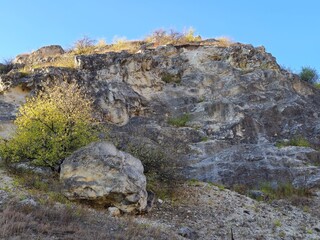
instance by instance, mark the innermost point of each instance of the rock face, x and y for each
(102, 175)
(9, 104)
(219, 109)
(246, 163)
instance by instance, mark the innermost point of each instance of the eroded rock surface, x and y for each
(236, 100)
(102, 175)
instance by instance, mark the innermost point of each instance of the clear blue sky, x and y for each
(288, 29)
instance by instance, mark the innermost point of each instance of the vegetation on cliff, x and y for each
(309, 75)
(50, 126)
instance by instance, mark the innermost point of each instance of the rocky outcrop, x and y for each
(9, 104)
(102, 175)
(244, 164)
(236, 103)
(44, 54)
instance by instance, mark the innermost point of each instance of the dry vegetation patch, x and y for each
(70, 222)
(88, 46)
(37, 210)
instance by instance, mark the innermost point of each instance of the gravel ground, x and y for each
(212, 213)
(203, 211)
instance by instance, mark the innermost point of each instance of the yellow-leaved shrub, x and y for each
(50, 126)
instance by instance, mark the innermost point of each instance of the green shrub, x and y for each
(170, 78)
(277, 223)
(282, 190)
(297, 141)
(309, 75)
(282, 234)
(205, 139)
(309, 231)
(179, 121)
(317, 85)
(50, 126)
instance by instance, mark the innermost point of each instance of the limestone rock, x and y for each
(49, 51)
(188, 233)
(252, 164)
(114, 212)
(256, 194)
(21, 58)
(28, 202)
(7, 111)
(103, 175)
(237, 99)
(44, 54)
(3, 197)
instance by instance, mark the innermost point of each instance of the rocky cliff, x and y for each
(219, 110)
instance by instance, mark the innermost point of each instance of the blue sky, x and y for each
(288, 29)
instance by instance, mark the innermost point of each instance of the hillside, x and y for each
(226, 114)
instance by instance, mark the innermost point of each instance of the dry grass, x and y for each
(101, 43)
(87, 46)
(223, 41)
(54, 217)
(44, 188)
(163, 37)
(65, 61)
(84, 46)
(121, 44)
(70, 222)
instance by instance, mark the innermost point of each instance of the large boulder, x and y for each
(49, 51)
(105, 176)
